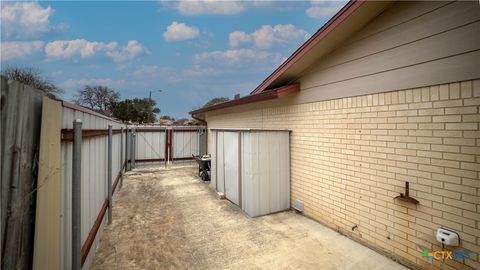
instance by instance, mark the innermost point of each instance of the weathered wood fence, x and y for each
(21, 110)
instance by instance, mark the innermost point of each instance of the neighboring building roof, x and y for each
(351, 18)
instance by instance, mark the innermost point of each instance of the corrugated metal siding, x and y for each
(94, 177)
(150, 144)
(186, 141)
(231, 166)
(213, 164)
(220, 163)
(265, 172)
(252, 168)
(185, 144)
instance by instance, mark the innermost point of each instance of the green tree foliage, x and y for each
(98, 98)
(33, 78)
(137, 110)
(167, 117)
(216, 100)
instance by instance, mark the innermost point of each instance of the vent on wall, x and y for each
(298, 205)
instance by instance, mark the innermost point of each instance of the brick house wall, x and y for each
(351, 156)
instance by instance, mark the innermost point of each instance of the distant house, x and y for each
(165, 122)
(384, 93)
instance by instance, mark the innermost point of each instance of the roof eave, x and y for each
(267, 95)
(346, 11)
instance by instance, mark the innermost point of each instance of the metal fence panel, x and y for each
(94, 177)
(185, 143)
(150, 145)
(153, 143)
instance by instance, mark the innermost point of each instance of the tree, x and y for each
(135, 110)
(98, 98)
(33, 78)
(167, 117)
(216, 100)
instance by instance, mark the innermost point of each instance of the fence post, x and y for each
(134, 142)
(109, 174)
(172, 154)
(76, 196)
(166, 147)
(127, 149)
(121, 158)
(199, 149)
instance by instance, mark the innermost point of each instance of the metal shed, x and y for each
(252, 169)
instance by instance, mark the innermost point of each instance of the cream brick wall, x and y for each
(350, 157)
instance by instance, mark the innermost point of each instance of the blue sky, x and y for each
(193, 51)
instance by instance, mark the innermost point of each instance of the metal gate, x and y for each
(168, 143)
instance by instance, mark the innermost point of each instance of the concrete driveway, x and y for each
(168, 219)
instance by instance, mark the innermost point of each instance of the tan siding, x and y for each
(460, 67)
(438, 21)
(432, 45)
(399, 14)
(350, 157)
(406, 55)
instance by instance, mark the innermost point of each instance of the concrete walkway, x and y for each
(168, 219)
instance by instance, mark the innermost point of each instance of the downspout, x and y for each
(198, 119)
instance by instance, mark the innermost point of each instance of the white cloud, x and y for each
(73, 84)
(152, 70)
(268, 36)
(19, 49)
(177, 75)
(237, 56)
(324, 9)
(180, 31)
(129, 52)
(225, 7)
(57, 73)
(65, 49)
(237, 38)
(209, 7)
(26, 19)
(68, 49)
(200, 71)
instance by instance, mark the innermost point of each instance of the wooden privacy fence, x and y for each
(21, 109)
(61, 163)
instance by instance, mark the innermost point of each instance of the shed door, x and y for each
(213, 170)
(265, 173)
(231, 165)
(220, 164)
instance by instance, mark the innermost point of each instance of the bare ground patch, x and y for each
(168, 219)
